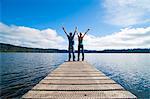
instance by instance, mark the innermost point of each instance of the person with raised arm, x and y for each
(70, 37)
(80, 44)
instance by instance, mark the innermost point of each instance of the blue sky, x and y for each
(104, 17)
(43, 14)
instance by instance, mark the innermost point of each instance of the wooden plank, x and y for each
(91, 78)
(76, 72)
(70, 72)
(77, 80)
(102, 87)
(77, 75)
(79, 95)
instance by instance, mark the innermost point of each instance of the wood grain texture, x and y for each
(77, 80)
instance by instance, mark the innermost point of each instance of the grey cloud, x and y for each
(48, 38)
(30, 37)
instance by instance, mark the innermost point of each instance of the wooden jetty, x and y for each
(77, 80)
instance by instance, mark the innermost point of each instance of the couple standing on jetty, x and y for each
(71, 43)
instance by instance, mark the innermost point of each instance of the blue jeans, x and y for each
(80, 48)
(71, 50)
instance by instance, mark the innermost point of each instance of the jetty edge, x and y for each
(77, 80)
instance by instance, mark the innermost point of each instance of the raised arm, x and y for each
(64, 31)
(86, 32)
(75, 31)
(78, 34)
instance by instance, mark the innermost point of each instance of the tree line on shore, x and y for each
(12, 48)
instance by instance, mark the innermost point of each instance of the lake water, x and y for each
(19, 72)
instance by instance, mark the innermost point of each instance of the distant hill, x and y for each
(13, 48)
(139, 50)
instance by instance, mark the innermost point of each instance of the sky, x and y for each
(114, 24)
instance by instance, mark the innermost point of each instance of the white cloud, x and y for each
(127, 12)
(30, 37)
(126, 38)
(48, 38)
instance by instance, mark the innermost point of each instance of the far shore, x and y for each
(7, 48)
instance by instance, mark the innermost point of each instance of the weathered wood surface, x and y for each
(77, 80)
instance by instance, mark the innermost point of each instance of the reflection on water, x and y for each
(132, 71)
(19, 72)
